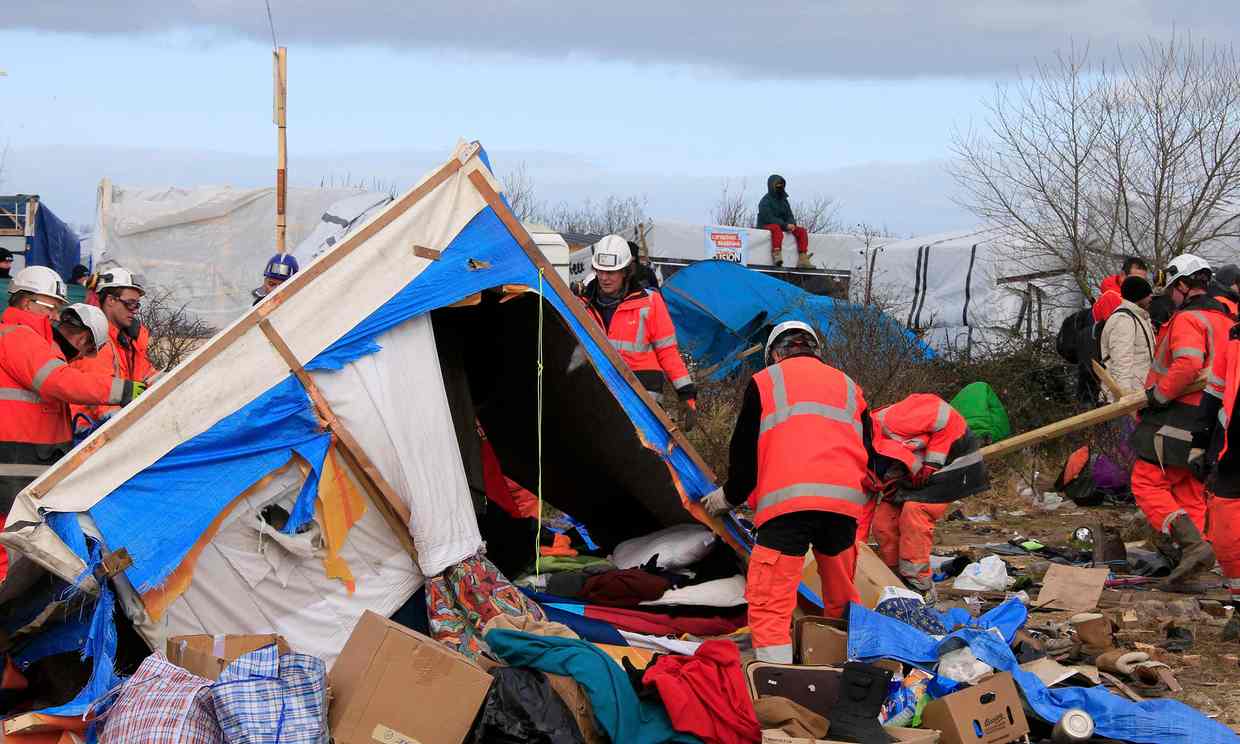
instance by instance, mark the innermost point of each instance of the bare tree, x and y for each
(608, 216)
(1082, 164)
(175, 332)
(733, 207)
(818, 214)
(873, 238)
(519, 190)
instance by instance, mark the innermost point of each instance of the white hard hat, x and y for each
(92, 318)
(39, 280)
(611, 254)
(786, 327)
(118, 278)
(1184, 265)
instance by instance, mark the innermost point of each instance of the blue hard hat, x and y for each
(280, 267)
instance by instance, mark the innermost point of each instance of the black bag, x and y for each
(1068, 340)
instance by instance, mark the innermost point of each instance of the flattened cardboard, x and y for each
(872, 576)
(1072, 588)
(1052, 672)
(906, 735)
(207, 655)
(393, 682)
(991, 707)
(820, 641)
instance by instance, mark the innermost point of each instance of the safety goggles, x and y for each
(132, 306)
(48, 305)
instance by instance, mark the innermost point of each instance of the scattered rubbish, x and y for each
(1095, 631)
(961, 665)
(207, 656)
(1049, 501)
(987, 575)
(980, 518)
(1053, 673)
(1231, 631)
(994, 706)
(1072, 588)
(955, 516)
(1179, 639)
(820, 641)
(1074, 727)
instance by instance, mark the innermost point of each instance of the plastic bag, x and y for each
(899, 592)
(987, 575)
(962, 665)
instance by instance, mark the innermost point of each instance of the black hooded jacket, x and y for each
(774, 208)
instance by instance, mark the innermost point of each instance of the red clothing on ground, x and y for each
(706, 694)
(654, 623)
(1163, 497)
(777, 238)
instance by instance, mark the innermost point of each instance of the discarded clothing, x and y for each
(638, 621)
(554, 563)
(729, 592)
(791, 717)
(264, 697)
(527, 624)
(578, 704)
(674, 547)
(913, 612)
(462, 599)
(706, 694)
(623, 717)
(521, 707)
(624, 588)
(161, 704)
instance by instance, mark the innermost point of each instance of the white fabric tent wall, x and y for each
(207, 244)
(683, 240)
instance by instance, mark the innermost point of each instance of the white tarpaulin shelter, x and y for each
(209, 244)
(331, 400)
(750, 246)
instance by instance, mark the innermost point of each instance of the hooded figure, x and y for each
(775, 215)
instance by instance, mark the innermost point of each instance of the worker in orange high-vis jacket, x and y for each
(36, 383)
(637, 323)
(934, 461)
(800, 454)
(1223, 484)
(1173, 431)
(120, 299)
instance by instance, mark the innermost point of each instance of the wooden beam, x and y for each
(135, 410)
(280, 60)
(381, 492)
(1122, 407)
(1107, 380)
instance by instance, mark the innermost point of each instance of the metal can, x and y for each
(1074, 727)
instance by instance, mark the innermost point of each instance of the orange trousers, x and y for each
(905, 534)
(1163, 496)
(771, 591)
(1223, 531)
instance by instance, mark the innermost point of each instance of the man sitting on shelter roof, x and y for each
(775, 214)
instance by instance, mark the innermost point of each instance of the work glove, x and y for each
(1151, 401)
(716, 503)
(132, 390)
(689, 423)
(923, 476)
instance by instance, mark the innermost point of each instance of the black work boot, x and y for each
(1196, 555)
(863, 688)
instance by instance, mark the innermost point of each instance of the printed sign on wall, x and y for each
(727, 243)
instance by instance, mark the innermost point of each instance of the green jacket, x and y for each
(774, 208)
(983, 411)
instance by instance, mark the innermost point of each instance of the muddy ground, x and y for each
(1209, 672)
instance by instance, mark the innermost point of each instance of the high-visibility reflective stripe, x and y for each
(50, 366)
(1158, 396)
(908, 568)
(1166, 525)
(1175, 432)
(815, 490)
(20, 394)
(666, 341)
(783, 411)
(6, 330)
(1194, 353)
(682, 382)
(636, 348)
(936, 458)
(117, 392)
(1157, 367)
(916, 442)
(940, 420)
(964, 461)
(22, 471)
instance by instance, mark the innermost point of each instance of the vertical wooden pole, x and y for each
(280, 60)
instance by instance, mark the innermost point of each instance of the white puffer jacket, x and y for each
(1128, 346)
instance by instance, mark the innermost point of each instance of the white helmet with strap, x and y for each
(1183, 266)
(118, 278)
(39, 280)
(788, 326)
(611, 254)
(89, 317)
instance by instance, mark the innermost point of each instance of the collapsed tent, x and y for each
(208, 244)
(724, 311)
(305, 464)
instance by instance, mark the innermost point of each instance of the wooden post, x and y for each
(280, 62)
(1107, 380)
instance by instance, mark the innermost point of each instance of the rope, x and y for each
(539, 428)
(271, 24)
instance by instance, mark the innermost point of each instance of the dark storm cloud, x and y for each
(755, 38)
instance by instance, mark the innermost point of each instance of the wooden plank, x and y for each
(381, 492)
(297, 283)
(281, 102)
(1107, 380)
(1122, 407)
(429, 254)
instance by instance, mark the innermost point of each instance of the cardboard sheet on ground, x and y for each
(1072, 588)
(1052, 672)
(872, 576)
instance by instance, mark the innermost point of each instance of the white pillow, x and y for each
(728, 592)
(676, 547)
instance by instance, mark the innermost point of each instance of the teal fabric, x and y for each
(984, 412)
(622, 715)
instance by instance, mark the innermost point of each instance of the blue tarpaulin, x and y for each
(721, 309)
(54, 244)
(872, 636)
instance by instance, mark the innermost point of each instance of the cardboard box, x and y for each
(989, 712)
(872, 576)
(207, 655)
(820, 641)
(392, 684)
(907, 735)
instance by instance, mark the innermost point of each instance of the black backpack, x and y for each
(1076, 328)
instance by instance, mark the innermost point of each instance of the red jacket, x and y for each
(1111, 284)
(927, 427)
(811, 443)
(642, 331)
(128, 361)
(1188, 345)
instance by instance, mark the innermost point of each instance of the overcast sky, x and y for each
(856, 99)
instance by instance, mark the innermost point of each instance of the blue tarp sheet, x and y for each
(161, 512)
(873, 636)
(721, 308)
(54, 244)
